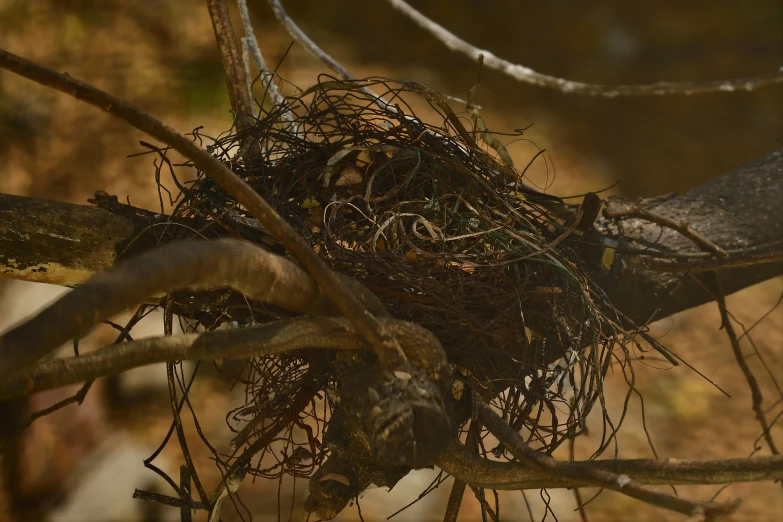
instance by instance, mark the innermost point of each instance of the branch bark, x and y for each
(738, 212)
(61, 243)
(386, 347)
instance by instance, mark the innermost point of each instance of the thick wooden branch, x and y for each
(57, 243)
(226, 263)
(61, 243)
(739, 212)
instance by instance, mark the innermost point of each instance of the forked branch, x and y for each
(386, 347)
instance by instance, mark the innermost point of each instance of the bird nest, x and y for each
(435, 220)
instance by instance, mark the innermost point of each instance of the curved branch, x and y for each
(276, 337)
(529, 76)
(247, 268)
(386, 347)
(458, 461)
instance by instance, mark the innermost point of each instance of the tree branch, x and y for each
(226, 263)
(236, 82)
(620, 482)
(386, 347)
(529, 76)
(57, 243)
(738, 212)
(275, 337)
(464, 465)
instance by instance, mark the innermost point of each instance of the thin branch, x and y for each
(311, 47)
(386, 347)
(708, 265)
(267, 77)
(633, 211)
(619, 482)
(755, 391)
(276, 337)
(243, 266)
(529, 76)
(463, 464)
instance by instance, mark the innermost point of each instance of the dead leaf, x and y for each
(349, 176)
(364, 158)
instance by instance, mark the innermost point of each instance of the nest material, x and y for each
(442, 231)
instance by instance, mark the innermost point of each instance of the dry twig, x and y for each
(529, 76)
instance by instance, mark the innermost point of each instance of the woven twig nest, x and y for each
(443, 232)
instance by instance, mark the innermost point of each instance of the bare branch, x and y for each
(738, 213)
(619, 482)
(311, 47)
(271, 338)
(755, 391)
(236, 82)
(529, 76)
(386, 347)
(245, 267)
(464, 465)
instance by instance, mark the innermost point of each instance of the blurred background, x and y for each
(83, 463)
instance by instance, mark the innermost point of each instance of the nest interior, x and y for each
(435, 221)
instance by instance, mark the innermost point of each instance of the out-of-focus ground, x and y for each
(161, 56)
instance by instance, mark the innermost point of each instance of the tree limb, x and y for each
(738, 212)
(57, 243)
(226, 263)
